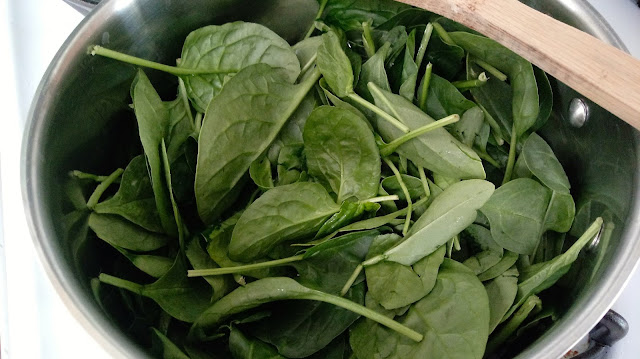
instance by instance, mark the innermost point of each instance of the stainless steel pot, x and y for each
(80, 99)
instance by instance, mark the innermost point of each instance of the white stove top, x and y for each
(38, 325)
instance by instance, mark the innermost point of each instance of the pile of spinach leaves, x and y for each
(376, 190)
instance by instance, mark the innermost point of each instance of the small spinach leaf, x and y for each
(119, 232)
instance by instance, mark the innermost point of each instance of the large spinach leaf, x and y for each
(342, 153)
(225, 50)
(241, 122)
(282, 214)
(119, 232)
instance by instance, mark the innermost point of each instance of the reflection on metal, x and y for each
(578, 113)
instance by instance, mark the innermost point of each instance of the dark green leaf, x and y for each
(334, 65)
(543, 163)
(350, 14)
(119, 232)
(413, 184)
(166, 348)
(243, 347)
(444, 99)
(199, 259)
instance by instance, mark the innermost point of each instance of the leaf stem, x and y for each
(185, 100)
(493, 124)
(102, 187)
(428, 31)
(485, 156)
(423, 179)
(367, 39)
(444, 35)
(392, 120)
(424, 89)
(391, 147)
(323, 4)
(351, 279)
(198, 121)
(177, 71)
(244, 268)
(375, 260)
(381, 199)
(308, 65)
(403, 186)
(368, 313)
(90, 176)
(121, 283)
(492, 70)
(469, 84)
(512, 156)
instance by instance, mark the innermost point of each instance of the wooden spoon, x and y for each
(601, 72)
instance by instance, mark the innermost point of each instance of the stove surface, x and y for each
(38, 325)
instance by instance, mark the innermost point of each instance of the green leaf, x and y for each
(470, 125)
(342, 153)
(414, 186)
(281, 215)
(155, 266)
(394, 285)
(350, 14)
(444, 99)
(446, 58)
(543, 163)
(275, 289)
(458, 304)
(507, 261)
(199, 259)
(260, 172)
(180, 125)
(374, 71)
(153, 126)
(545, 93)
(483, 261)
(183, 298)
(166, 348)
(525, 103)
(502, 292)
(436, 150)
(134, 200)
(409, 77)
(243, 347)
(334, 65)
(240, 124)
(541, 276)
(516, 212)
(450, 213)
(119, 232)
(349, 211)
(227, 49)
(320, 322)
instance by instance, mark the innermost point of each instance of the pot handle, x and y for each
(83, 6)
(611, 328)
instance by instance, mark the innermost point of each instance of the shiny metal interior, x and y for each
(74, 124)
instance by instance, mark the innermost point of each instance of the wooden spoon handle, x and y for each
(601, 72)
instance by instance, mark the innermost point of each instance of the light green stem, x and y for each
(244, 268)
(89, 176)
(485, 156)
(493, 124)
(308, 65)
(102, 187)
(403, 186)
(392, 120)
(423, 179)
(428, 31)
(177, 71)
(323, 4)
(492, 70)
(198, 121)
(469, 84)
(351, 280)
(381, 199)
(444, 35)
(367, 39)
(373, 261)
(366, 312)
(391, 147)
(121, 283)
(512, 156)
(424, 91)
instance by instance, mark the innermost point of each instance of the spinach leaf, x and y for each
(181, 124)
(457, 296)
(470, 125)
(516, 212)
(451, 212)
(350, 14)
(121, 233)
(543, 163)
(394, 285)
(155, 266)
(134, 200)
(483, 261)
(410, 69)
(342, 153)
(349, 211)
(243, 347)
(260, 172)
(282, 214)
(445, 57)
(374, 71)
(183, 298)
(444, 99)
(281, 288)
(414, 186)
(166, 348)
(199, 259)
(237, 129)
(153, 124)
(507, 261)
(436, 150)
(225, 50)
(502, 292)
(525, 105)
(541, 276)
(320, 322)
(334, 65)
